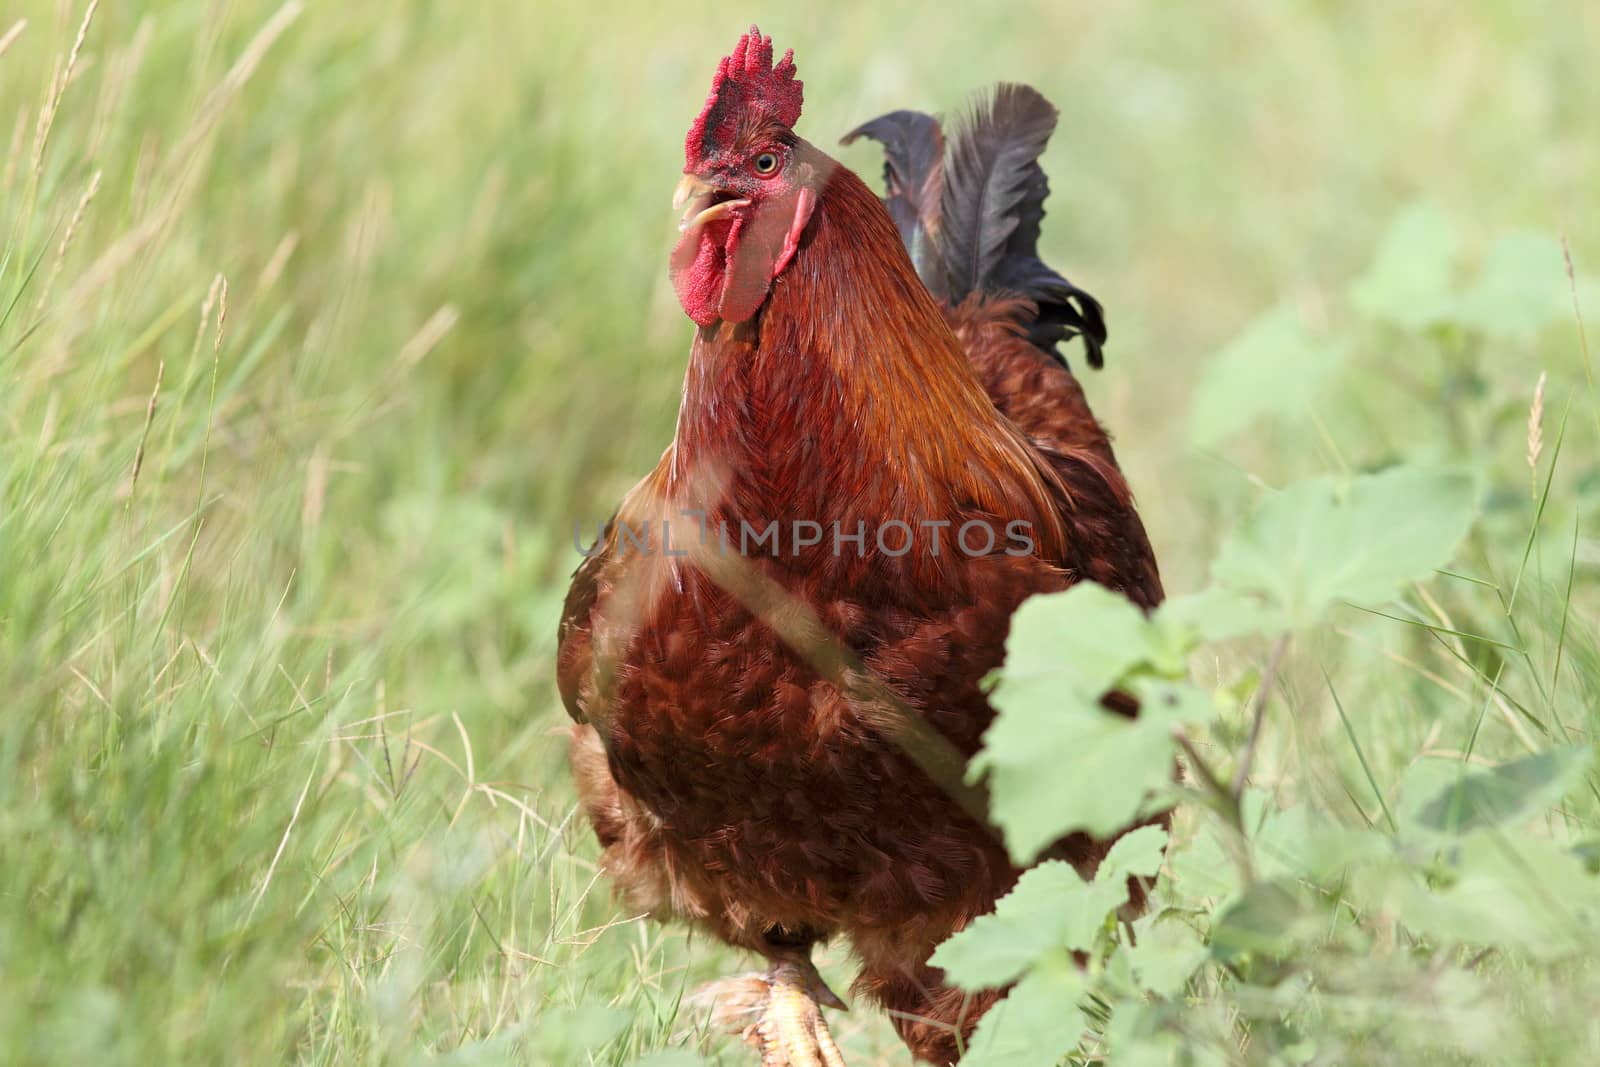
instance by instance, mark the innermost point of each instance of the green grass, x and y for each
(378, 295)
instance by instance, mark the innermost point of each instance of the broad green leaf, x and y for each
(1141, 1034)
(1300, 842)
(1410, 281)
(1204, 868)
(1293, 1043)
(1057, 763)
(1273, 368)
(1036, 1024)
(1322, 541)
(1138, 852)
(1165, 953)
(1523, 893)
(1157, 1050)
(1055, 759)
(1217, 614)
(1507, 794)
(1050, 908)
(1085, 637)
(1087, 911)
(1114, 975)
(1422, 781)
(1027, 923)
(1522, 285)
(1268, 920)
(568, 1035)
(1164, 703)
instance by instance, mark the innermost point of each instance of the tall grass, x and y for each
(321, 324)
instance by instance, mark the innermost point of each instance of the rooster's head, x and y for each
(749, 186)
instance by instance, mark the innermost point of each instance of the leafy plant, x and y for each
(1282, 926)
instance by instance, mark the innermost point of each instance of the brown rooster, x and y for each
(775, 653)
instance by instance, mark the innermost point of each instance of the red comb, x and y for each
(746, 81)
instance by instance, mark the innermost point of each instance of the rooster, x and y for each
(771, 737)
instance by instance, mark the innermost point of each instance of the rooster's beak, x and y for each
(697, 194)
(691, 186)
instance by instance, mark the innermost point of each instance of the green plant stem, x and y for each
(1258, 715)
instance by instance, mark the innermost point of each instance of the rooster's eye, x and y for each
(767, 164)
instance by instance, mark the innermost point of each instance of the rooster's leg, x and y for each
(779, 1013)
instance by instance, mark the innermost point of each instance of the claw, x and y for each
(778, 1014)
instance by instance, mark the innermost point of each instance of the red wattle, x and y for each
(700, 269)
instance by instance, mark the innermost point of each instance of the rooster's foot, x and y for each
(778, 1014)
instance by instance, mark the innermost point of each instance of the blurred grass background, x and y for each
(374, 302)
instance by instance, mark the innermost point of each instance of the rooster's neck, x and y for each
(848, 397)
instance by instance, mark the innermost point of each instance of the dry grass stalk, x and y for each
(8, 181)
(181, 178)
(58, 89)
(236, 77)
(144, 436)
(219, 286)
(66, 239)
(12, 34)
(277, 261)
(426, 338)
(114, 87)
(1536, 432)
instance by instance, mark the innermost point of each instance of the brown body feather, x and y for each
(731, 776)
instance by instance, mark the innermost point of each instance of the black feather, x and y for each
(913, 180)
(994, 186)
(992, 209)
(1065, 311)
(970, 211)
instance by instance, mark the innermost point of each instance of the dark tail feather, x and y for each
(993, 206)
(913, 179)
(1065, 311)
(984, 228)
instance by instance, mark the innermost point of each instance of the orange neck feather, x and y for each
(848, 397)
